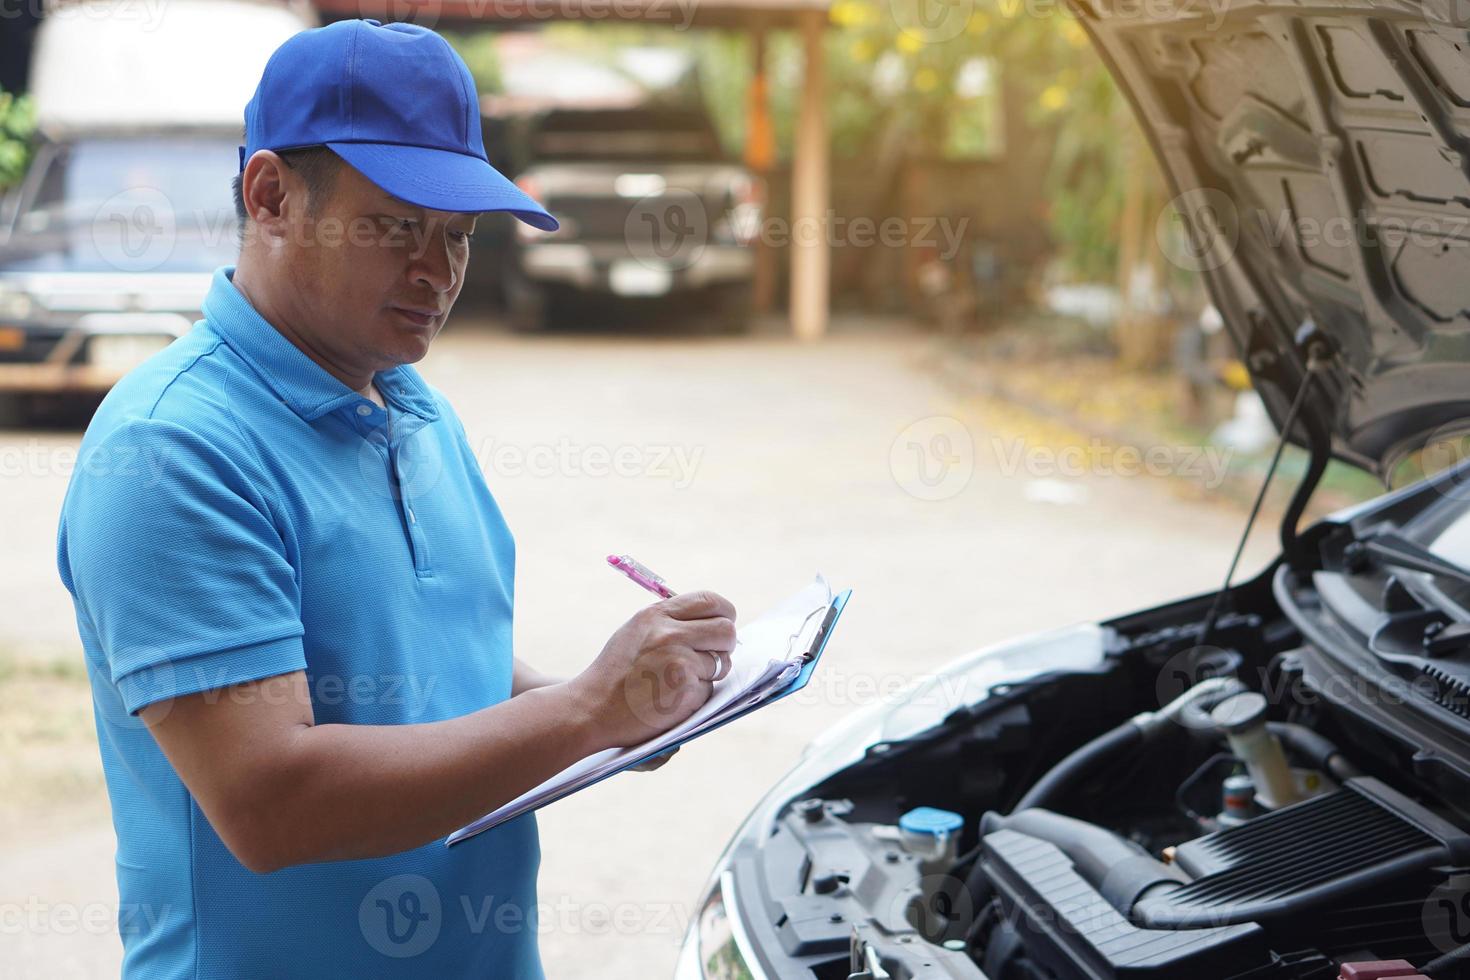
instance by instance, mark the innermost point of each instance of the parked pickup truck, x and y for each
(108, 243)
(624, 154)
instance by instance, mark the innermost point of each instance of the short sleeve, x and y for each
(177, 565)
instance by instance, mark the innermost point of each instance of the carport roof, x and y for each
(521, 13)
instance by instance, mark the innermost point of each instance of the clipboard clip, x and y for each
(821, 635)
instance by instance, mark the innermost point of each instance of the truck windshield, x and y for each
(97, 193)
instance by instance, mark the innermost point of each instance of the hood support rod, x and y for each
(1319, 444)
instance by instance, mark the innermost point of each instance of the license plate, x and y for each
(123, 353)
(637, 279)
(12, 338)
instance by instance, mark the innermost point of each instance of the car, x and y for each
(1270, 781)
(622, 150)
(108, 243)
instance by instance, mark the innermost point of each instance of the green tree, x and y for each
(17, 124)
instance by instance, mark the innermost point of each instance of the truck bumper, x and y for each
(611, 269)
(64, 379)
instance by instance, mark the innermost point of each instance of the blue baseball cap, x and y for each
(397, 103)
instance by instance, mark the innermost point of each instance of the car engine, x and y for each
(1236, 811)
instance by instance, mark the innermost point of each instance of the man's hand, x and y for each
(659, 667)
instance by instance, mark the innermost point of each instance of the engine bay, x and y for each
(1240, 810)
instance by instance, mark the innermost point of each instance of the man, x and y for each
(294, 589)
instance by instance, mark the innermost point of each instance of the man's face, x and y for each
(375, 277)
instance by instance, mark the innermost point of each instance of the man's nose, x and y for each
(434, 266)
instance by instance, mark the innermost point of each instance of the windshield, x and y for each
(136, 203)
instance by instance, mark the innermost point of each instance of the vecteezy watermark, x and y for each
(36, 917)
(403, 916)
(35, 458)
(1206, 464)
(1445, 915)
(933, 458)
(147, 14)
(1201, 229)
(677, 464)
(856, 689)
(671, 229)
(138, 228)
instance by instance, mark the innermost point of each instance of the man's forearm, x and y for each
(342, 791)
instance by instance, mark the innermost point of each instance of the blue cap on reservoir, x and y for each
(930, 820)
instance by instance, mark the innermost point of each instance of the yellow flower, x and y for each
(1073, 33)
(978, 23)
(909, 43)
(1053, 97)
(925, 79)
(850, 13)
(1236, 376)
(862, 51)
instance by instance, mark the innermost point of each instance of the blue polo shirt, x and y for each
(237, 513)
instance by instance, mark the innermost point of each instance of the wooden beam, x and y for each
(811, 261)
(760, 158)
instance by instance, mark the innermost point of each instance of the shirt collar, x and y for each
(301, 383)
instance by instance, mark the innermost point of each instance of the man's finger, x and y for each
(701, 604)
(716, 634)
(701, 664)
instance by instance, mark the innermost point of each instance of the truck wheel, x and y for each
(15, 410)
(731, 308)
(527, 305)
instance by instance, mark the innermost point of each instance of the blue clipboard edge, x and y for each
(819, 643)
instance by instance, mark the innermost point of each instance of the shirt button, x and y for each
(364, 410)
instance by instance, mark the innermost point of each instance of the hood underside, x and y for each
(1320, 156)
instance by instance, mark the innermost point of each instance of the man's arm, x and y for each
(281, 790)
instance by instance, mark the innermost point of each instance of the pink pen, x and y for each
(642, 575)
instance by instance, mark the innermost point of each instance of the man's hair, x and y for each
(317, 166)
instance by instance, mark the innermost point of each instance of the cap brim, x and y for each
(442, 180)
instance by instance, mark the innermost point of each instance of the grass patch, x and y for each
(48, 739)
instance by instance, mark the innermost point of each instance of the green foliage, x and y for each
(478, 51)
(896, 77)
(17, 124)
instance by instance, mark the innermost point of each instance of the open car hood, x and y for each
(1320, 156)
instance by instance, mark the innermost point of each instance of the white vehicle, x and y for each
(108, 243)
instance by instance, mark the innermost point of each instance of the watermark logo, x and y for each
(135, 230)
(934, 458)
(1199, 230)
(409, 470)
(668, 229)
(401, 916)
(1445, 914)
(932, 21)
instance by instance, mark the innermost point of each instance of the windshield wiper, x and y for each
(1392, 550)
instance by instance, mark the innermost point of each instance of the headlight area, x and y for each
(762, 863)
(717, 947)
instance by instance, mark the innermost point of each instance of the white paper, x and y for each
(766, 659)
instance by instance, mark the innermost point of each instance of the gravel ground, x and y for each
(739, 464)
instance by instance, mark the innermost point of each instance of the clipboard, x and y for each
(809, 658)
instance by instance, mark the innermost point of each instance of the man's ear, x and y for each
(269, 192)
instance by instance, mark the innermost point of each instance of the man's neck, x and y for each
(372, 394)
(258, 297)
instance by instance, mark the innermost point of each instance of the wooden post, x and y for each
(811, 262)
(760, 158)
